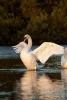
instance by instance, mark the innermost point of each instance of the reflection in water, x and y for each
(64, 80)
(38, 86)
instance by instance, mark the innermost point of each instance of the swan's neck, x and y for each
(30, 42)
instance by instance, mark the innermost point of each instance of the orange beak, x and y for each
(25, 39)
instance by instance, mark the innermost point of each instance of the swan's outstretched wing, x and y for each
(18, 48)
(47, 49)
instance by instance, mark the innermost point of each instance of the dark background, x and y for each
(44, 20)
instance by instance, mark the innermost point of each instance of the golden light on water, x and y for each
(34, 85)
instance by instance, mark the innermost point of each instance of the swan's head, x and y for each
(29, 39)
(26, 37)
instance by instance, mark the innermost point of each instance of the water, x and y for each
(16, 83)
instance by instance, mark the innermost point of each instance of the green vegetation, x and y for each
(44, 20)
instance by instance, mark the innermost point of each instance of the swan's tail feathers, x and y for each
(65, 53)
(65, 50)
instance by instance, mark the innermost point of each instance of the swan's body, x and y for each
(28, 60)
(42, 53)
(64, 59)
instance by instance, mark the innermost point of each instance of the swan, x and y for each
(42, 53)
(64, 59)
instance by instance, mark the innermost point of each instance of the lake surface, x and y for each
(16, 83)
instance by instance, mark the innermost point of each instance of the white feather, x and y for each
(19, 47)
(47, 49)
(64, 59)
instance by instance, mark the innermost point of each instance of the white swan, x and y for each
(42, 53)
(64, 59)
